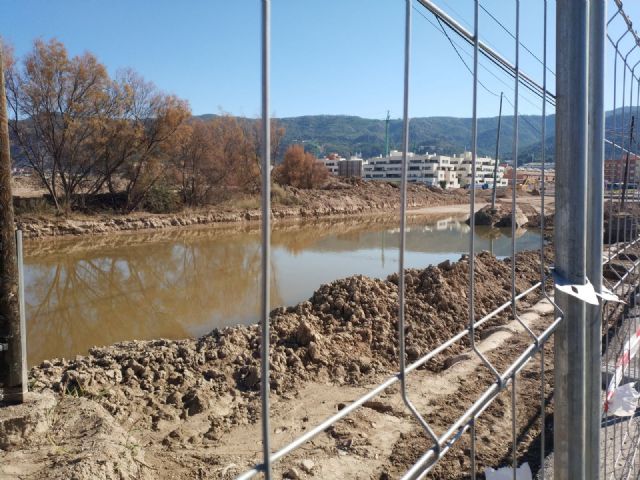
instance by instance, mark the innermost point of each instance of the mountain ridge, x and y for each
(349, 134)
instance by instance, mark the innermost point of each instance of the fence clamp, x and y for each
(608, 296)
(585, 293)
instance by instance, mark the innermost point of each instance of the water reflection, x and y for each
(181, 283)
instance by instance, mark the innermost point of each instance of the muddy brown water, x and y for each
(99, 290)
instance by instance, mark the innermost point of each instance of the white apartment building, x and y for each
(331, 163)
(432, 169)
(428, 169)
(484, 170)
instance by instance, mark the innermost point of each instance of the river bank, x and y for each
(190, 408)
(337, 200)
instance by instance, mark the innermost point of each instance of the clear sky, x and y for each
(328, 56)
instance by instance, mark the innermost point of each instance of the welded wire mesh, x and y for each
(620, 258)
(620, 433)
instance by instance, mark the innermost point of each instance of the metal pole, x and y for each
(403, 228)
(11, 359)
(543, 157)
(495, 168)
(266, 238)
(595, 232)
(23, 318)
(572, 29)
(625, 176)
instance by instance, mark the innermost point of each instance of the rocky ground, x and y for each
(337, 199)
(190, 408)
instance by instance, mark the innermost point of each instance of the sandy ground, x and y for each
(382, 439)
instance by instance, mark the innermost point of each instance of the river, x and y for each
(99, 290)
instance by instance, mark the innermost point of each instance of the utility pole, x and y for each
(495, 168)
(386, 135)
(11, 361)
(626, 166)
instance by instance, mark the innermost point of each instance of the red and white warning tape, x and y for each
(629, 351)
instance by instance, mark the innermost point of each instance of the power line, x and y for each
(490, 72)
(462, 59)
(455, 47)
(514, 37)
(489, 53)
(523, 117)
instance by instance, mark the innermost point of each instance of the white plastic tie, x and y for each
(585, 292)
(608, 296)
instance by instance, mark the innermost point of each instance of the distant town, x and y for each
(432, 169)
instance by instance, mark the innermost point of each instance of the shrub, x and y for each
(300, 169)
(280, 196)
(161, 199)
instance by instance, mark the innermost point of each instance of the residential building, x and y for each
(484, 170)
(331, 162)
(429, 169)
(614, 169)
(432, 169)
(341, 166)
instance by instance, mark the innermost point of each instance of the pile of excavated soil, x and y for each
(336, 199)
(501, 216)
(346, 333)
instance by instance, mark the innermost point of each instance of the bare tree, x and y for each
(199, 166)
(81, 131)
(56, 103)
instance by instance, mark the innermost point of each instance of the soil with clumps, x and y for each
(501, 216)
(193, 393)
(346, 333)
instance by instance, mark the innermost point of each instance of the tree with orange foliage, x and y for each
(80, 130)
(54, 100)
(211, 154)
(300, 169)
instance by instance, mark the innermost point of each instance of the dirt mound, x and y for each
(501, 217)
(346, 333)
(47, 438)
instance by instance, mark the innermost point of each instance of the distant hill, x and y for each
(322, 134)
(447, 135)
(344, 134)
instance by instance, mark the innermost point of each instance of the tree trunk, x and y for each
(10, 359)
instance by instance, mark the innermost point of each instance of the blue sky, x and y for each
(328, 56)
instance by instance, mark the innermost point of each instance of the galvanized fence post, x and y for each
(572, 28)
(595, 199)
(23, 318)
(265, 290)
